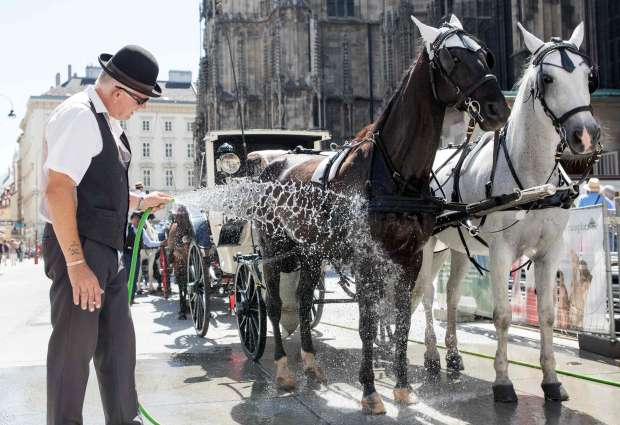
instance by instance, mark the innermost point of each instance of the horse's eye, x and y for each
(547, 79)
(456, 59)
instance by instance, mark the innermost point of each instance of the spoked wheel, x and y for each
(251, 313)
(197, 292)
(317, 298)
(385, 335)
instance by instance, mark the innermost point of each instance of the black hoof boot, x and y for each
(504, 393)
(432, 366)
(554, 392)
(454, 362)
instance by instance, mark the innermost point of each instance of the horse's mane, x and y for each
(370, 128)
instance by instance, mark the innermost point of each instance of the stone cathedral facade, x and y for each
(331, 64)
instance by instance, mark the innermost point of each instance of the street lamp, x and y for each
(11, 113)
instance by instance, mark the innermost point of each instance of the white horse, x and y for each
(555, 88)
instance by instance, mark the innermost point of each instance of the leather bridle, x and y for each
(442, 62)
(538, 91)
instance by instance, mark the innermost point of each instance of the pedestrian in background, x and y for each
(85, 202)
(594, 196)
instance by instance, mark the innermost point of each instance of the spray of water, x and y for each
(305, 213)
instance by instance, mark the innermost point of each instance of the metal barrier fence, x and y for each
(587, 284)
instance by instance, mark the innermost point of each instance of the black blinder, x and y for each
(593, 80)
(446, 60)
(490, 59)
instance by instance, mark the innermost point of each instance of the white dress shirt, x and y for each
(72, 138)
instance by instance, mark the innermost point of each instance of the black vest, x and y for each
(103, 193)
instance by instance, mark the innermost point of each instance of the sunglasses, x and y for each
(139, 100)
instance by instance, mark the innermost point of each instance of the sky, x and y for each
(39, 38)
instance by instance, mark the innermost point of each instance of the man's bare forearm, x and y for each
(62, 210)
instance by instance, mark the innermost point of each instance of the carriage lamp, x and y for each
(227, 160)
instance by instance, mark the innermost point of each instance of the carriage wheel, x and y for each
(251, 313)
(386, 327)
(317, 298)
(197, 292)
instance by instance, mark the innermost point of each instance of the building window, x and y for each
(190, 178)
(190, 127)
(146, 177)
(168, 150)
(146, 125)
(167, 125)
(124, 125)
(146, 150)
(340, 8)
(190, 150)
(169, 178)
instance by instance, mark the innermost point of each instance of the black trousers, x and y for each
(106, 336)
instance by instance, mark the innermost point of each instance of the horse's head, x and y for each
(461, 73)
(561, 78)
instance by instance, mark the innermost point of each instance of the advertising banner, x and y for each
(581, 287)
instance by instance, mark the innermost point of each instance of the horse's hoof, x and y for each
(316, 374)
(432, 365)
(285, 383)
(554, 392)
(373, 405)
(404, 397)
(454, 362)
(285, 380)
(504, 393)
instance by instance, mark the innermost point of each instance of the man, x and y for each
(594, 196)
(145, 242)
(139, 186)
(85, 204)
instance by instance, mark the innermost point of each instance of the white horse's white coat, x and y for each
(531, 141)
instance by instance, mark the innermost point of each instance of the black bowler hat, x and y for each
(134, 67)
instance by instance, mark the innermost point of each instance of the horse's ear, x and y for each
(531, 41)
(577, 37)
(429, 34)
(455, 21)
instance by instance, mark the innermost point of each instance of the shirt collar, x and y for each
(97, 102)
(115, 125)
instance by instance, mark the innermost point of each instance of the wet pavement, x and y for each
(183, 379)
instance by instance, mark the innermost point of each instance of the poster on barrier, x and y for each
(581, 286)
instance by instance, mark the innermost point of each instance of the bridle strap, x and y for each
(567, 115)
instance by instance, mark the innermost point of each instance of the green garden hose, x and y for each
(132, 272)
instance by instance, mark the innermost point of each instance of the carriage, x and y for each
(223, 259)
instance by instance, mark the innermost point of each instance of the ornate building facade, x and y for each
(331, 64)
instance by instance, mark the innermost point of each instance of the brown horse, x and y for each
(388, 165)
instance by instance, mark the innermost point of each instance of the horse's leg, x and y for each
(402, 297)
(459, 264)
(285, 379)
(424, 286)
(309, 275)
(545, 270)
(500, 262)
(368, 296)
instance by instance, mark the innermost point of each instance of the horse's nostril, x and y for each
(577, 135)
(493, 109)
